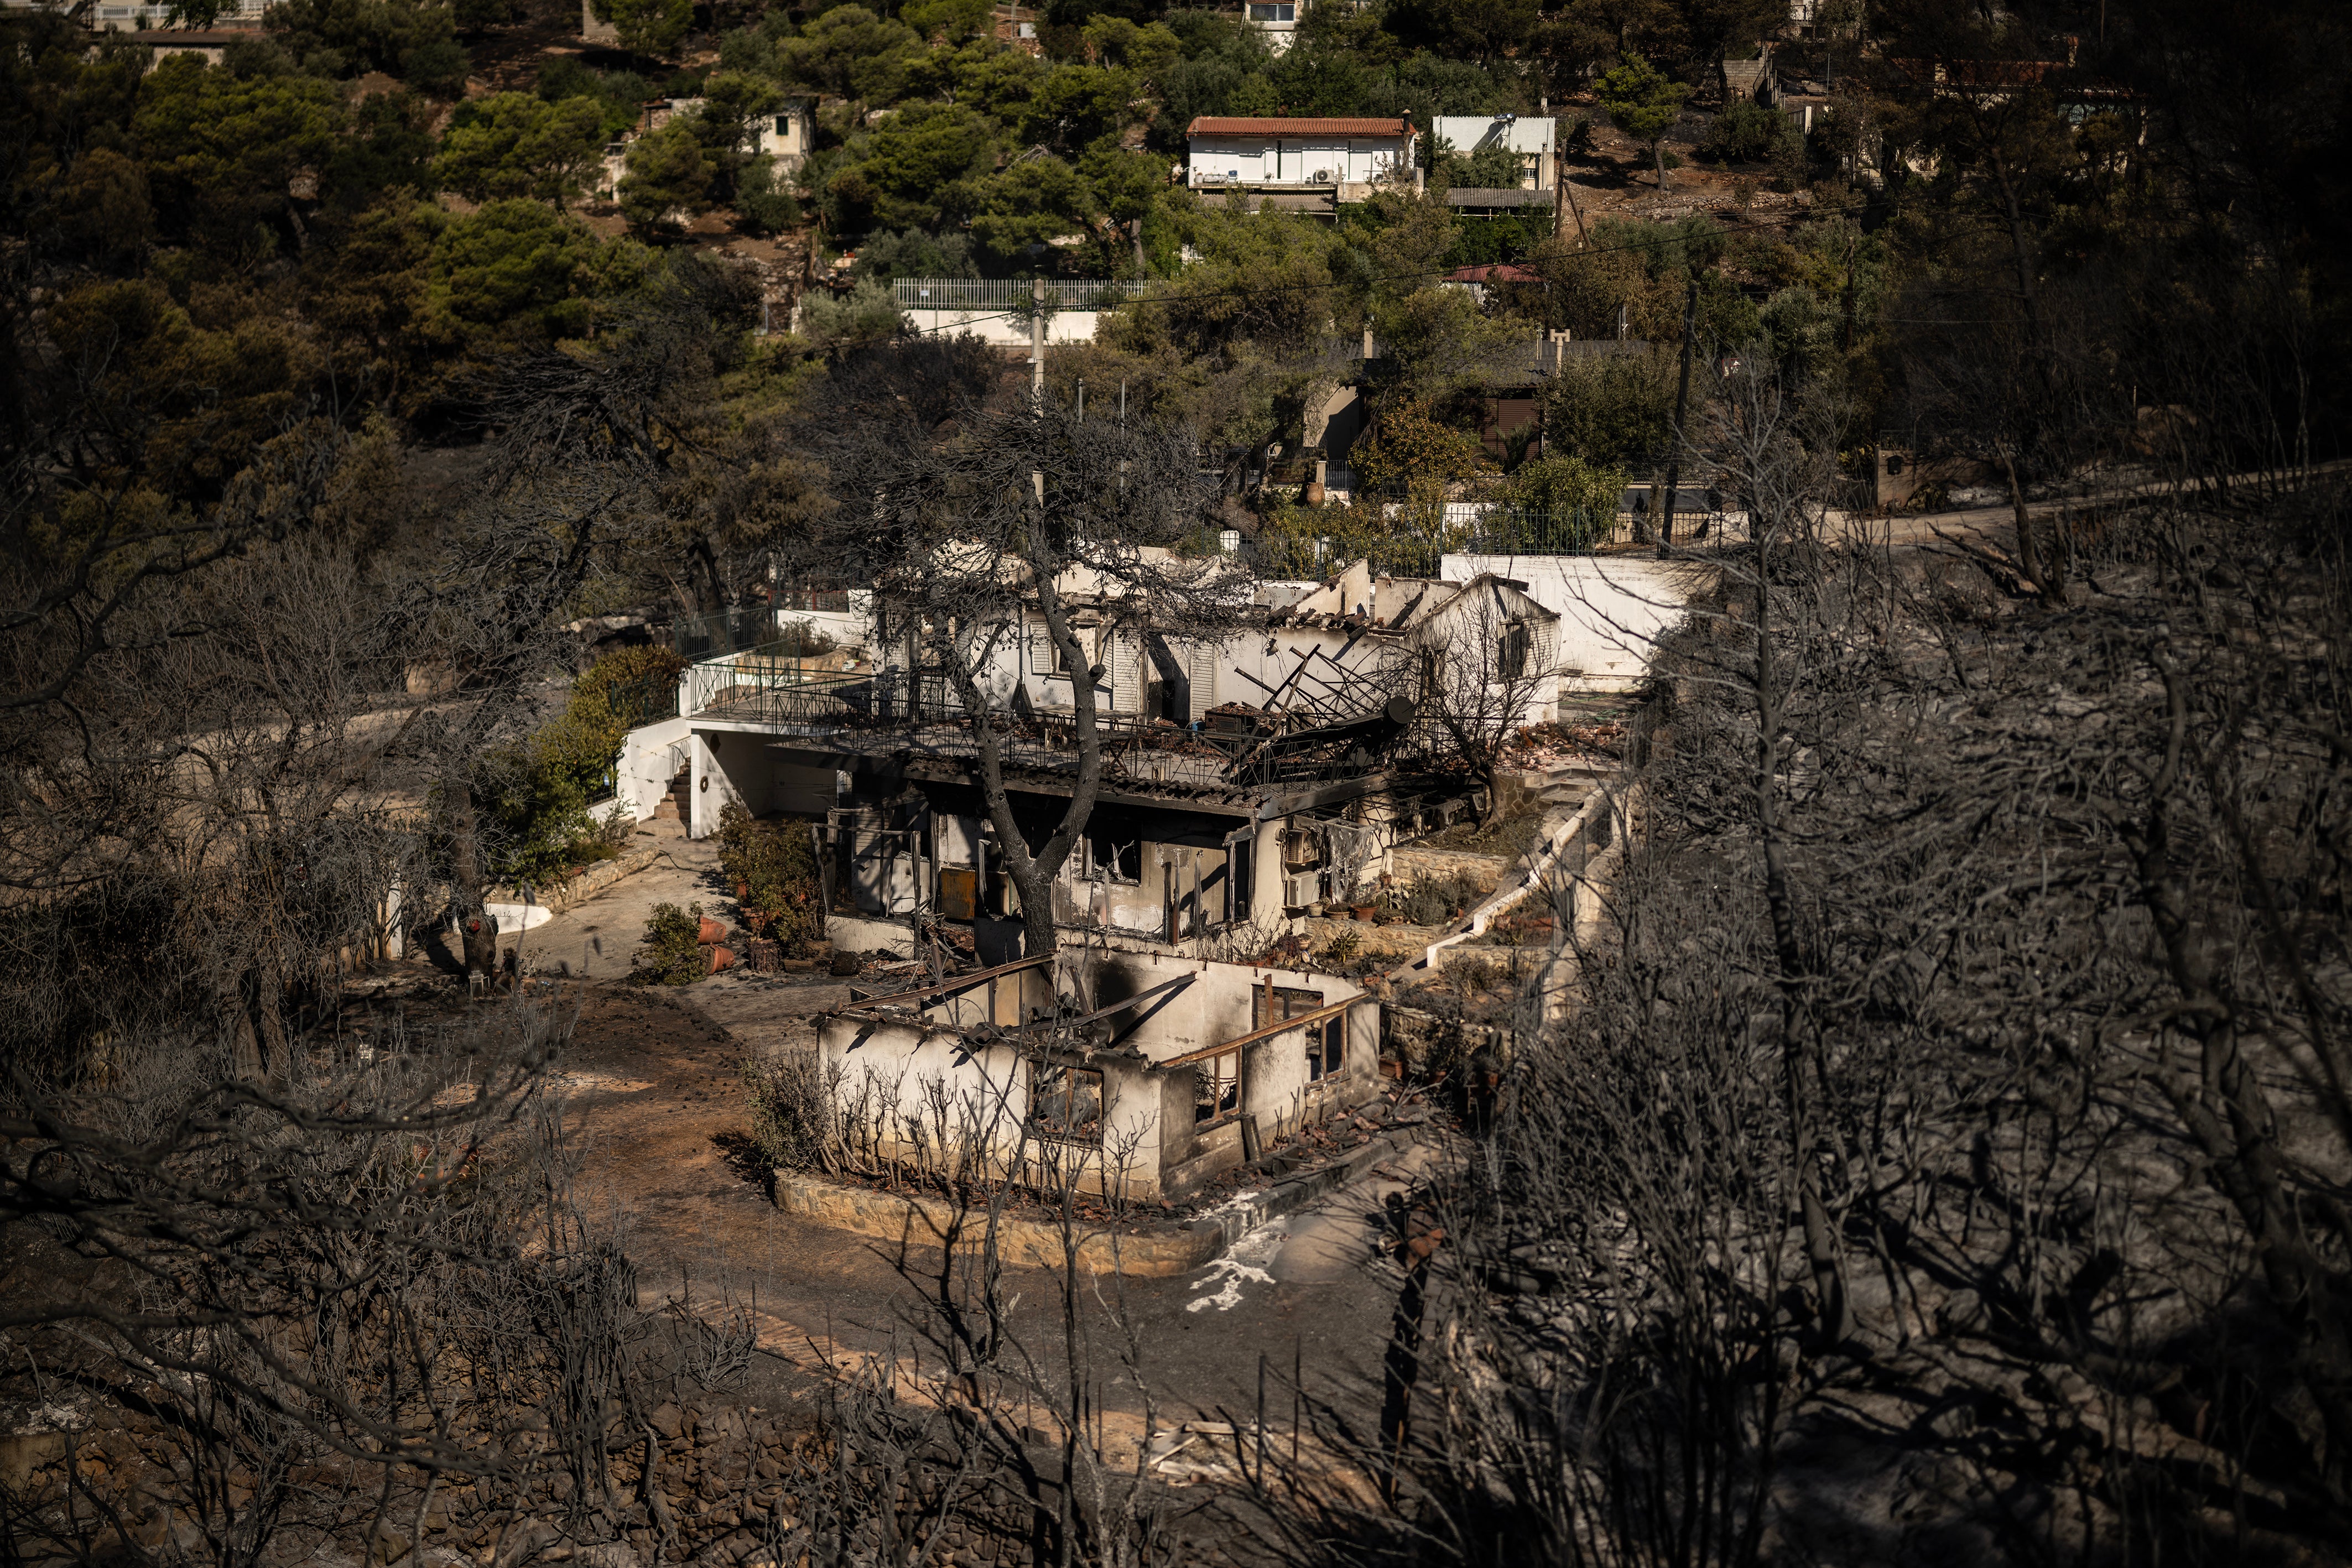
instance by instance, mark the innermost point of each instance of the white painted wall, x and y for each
(897, 1067)
(1530, 136)
(1006, 331)
(650, 758)
(1258, 159)
(1612, 609)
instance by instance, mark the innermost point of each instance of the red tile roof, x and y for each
(1493, 272)
(1273, 125)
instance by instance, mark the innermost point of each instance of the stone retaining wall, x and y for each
(1411, 866)
(1152, 1250)
(592, 880)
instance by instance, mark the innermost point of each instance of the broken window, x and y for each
(1511, 654)
(1217, 1094)
(1326, 1048)
(1066, 1103)
(1272, 1003)
(1326, 1042)
(1120, 861)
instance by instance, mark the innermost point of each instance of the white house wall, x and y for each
(1612, 609)
(1259, 160)
(1529, 136)
(899, 1074)
(651, 756)
(1003, 331)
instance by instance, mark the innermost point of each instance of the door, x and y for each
(1293, 157)
(881, 872)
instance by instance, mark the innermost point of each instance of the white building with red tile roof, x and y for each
(1268, 150)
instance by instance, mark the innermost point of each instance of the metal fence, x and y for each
(1013, 294)
(646, 701)
(700, 637)
(1526, 530)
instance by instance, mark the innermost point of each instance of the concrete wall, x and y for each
(897, 1074)
(1004, 331)
(650, 758)
(1293, 160)
(1612, 609)
(1530, 136)
(731, 763)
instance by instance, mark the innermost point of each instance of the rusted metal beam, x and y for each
(1179, 981)
(949, 987)
(1301, 1021)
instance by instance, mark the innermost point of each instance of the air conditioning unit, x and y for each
(1322, 176)
(1298, 891)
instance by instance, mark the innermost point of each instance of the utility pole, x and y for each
(1845, 337)
(1682, 405)
(1037, 342)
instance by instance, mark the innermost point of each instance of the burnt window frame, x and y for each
(1069, 1073)
(1225, 1105)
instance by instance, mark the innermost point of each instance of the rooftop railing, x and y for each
(1013, 293)
(883, 709)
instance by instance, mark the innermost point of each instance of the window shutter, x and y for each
(1041, 651)
(1201, 673)
(1126, 674)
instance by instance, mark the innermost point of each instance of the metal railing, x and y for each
(645, 701)
(1013, 293)
(769, 626)
(923, 716)
(1526, 530)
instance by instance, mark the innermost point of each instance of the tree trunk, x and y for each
(1032, 874)
(1658, 149)
(478, 941)
(1834, 1311)
(2049, 581)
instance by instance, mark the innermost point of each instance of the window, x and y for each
(1511, 651)
(1326, 1042)
(783, 125)
(1066, 1103)
(1272, 1004)
(1121, 862)
(1283, 11)
(1326, 1048)
(1081, 635)
(1217, 1094)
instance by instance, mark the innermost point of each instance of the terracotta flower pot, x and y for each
(721, 958)
(708, 932)
(1365, 911)
(742, 890)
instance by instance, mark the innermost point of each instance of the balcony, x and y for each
(882, 713)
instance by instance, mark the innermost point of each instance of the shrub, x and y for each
(779, 864)
(670, 954)
(790, 1098)
(1432, 900)
(765, 202)
(1746, 133)
(535, 796)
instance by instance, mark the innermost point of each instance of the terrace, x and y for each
(862, 710)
